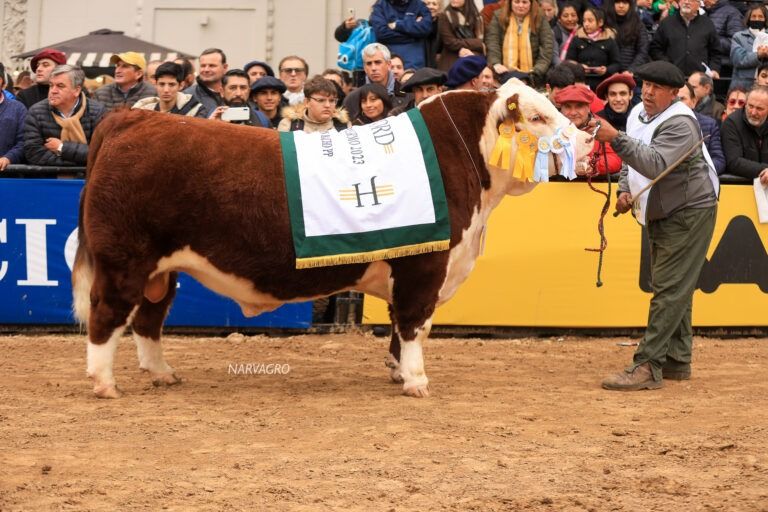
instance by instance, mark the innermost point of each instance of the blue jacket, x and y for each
(744, 60)
(12, 115)
(408, 38)
(714, 143)
(728, 21)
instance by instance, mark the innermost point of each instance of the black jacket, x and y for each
(33, 94)
(40, 125)
(745, 146)
(687, 46)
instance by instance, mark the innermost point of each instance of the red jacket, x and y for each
(614, 161)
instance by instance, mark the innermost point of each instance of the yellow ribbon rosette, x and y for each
(501, 155)
(527, 147)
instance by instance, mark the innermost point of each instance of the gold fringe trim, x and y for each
(367, 257)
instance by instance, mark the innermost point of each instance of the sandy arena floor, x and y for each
(517, 424)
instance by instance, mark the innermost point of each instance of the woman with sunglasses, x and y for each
(736, 99)
(744, 59)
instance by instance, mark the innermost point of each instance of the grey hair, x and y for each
(371, 49)
(757, 88)
(76, 74)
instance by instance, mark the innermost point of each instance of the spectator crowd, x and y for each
(581, 53)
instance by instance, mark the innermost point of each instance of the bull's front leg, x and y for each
(411, 368)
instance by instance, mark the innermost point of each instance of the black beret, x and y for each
(264, 65)
(268, 82)
(424, 76)
(661, 72)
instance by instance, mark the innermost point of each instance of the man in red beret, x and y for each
(616, 90)
(42, 64)
(574, 102)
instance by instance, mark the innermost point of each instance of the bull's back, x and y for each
(183, 181)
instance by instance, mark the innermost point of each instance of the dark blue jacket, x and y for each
(12, 115)
(714, 143)
(408, 38)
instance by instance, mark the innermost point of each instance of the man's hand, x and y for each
(762, 52)
(715, 75)
(392, 25)
(624, 202)
(350, 23)
(4, 162)
(500, 69)
(465, 52)
(606, 133)
(764, 177)
(216, 114)
(52, 144)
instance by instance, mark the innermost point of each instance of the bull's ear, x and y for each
(513, 108)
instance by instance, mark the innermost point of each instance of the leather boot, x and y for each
(641, 377)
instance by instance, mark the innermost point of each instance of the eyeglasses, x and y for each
(291, 71)
(739, 103)
(325, 101)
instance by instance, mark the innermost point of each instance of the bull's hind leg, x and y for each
(393, 358)
(147, 329)
(114, 301)
(415, 291)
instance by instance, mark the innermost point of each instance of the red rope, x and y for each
(600, 223)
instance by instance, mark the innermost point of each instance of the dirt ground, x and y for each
(517, 424)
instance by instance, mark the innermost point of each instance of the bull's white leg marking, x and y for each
(101, 359)
(151, 359)
(415, 382)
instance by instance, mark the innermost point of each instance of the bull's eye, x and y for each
(535, 118)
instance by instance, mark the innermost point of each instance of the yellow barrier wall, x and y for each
(535, 271)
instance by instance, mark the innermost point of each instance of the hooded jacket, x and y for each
(295, 118)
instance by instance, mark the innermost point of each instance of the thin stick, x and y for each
(666, 171)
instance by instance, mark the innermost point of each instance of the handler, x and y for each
(679, 213)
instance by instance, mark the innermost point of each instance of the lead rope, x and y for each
(466, 148)
(606, 206)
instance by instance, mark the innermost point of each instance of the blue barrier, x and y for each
(38, 240)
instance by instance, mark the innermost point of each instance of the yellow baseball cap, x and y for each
(132, 58)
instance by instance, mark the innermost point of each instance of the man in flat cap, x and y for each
(129, 85)
(679, 214)
(42, 64)
(423, 84)
(465, 73)
(267, 95)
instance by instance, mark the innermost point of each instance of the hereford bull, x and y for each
(167, 193)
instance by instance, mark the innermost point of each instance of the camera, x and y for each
(236, 114)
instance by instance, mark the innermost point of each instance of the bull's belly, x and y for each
(462, 258)
(375, 281)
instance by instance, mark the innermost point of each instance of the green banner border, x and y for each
(355, 243)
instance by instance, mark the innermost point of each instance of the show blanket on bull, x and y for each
(366, 193)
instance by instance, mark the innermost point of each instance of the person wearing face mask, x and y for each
(744, 59)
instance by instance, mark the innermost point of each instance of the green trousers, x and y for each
(679, 246)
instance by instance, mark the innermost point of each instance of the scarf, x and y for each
(566, 44)
(71, 129)
(594, 36)
(517, 46)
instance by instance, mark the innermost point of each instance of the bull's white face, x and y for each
(535, 113)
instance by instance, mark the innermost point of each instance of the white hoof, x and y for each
(417, 387)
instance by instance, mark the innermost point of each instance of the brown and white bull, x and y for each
(167, 193)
